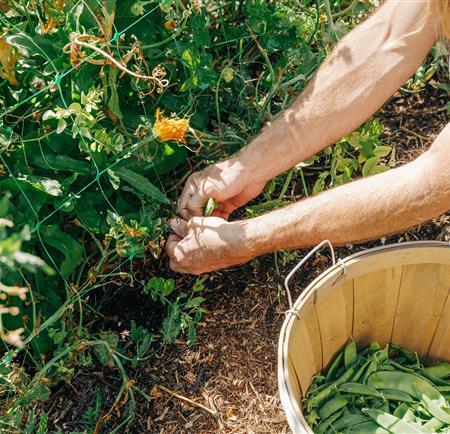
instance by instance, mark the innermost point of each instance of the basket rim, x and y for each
(290, 406)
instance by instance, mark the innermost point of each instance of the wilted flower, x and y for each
(52, 20)
(17, 291)
(137, 8)
(14, 337)
(170, 24)
(8, 59)
(166, 129)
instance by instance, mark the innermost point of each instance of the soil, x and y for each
(227, 382)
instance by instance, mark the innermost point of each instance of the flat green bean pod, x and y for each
(396, 395)
(439, 371)
(378, 391)
(359, 389)
(394, 424)
(405, 382)
(332, 406)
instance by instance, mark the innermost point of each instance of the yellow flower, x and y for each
(170, 24)
(166, 129)
(8, 59)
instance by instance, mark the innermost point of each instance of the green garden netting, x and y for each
(59, 76)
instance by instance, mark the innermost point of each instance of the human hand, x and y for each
(205, 244)
(227, 182)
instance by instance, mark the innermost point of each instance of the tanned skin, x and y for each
(363, 71)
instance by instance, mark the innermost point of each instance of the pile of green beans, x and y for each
(379, 390)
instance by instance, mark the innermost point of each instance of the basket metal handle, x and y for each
(299, 265)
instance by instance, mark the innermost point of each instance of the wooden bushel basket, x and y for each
(397, 293)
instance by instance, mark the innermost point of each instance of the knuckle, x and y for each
(191, 223)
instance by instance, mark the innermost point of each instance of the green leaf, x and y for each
(43, 422)
(370, 165)
(38, 392)
(319, 185)
(67, 245)
(192, 334)
(194, 302)
(61, 162)
(141, 184)
(382, 151)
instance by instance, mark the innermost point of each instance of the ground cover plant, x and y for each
(106, 107)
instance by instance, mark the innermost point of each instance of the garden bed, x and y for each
(232, 369)
(105, 108)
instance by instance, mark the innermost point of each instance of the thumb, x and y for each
(179, 226)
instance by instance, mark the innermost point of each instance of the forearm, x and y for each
(362, 210)
(363, 71)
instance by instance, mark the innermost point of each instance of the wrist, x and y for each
(253, 238)
(252, 163)
(236, 170)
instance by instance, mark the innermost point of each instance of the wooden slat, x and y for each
(376, 296)
(420, 304)
(305, 349)
(440, 346)
(335, 316)
(295, 382)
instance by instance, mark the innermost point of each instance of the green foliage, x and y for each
(105, 107)
(183, 311)
(361, 152)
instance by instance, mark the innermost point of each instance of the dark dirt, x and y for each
(232, 369)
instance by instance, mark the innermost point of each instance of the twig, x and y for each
(407, 130)
(183, 398)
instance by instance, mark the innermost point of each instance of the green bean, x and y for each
(332, 406)
(435, 408)
(359, 389)
(433, 378)
(393, 389)
(394, 424)
(401, 410)
(324, 394)
(409, 416)
(367, 428)
(400, 367)
(383, 355)
(405, 382)
(350, 354)
(348, 421)
(374, 347)
(356, 377)
(412, 358)
(373, 366)
(396, 395)
(337, 363)
(440, 371)
(433, 424)
(323, 427)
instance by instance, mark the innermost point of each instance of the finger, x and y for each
(171, 243)
(222, 214)
(176, 267)
(179, 226)
(188, 191)
(196, 204)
